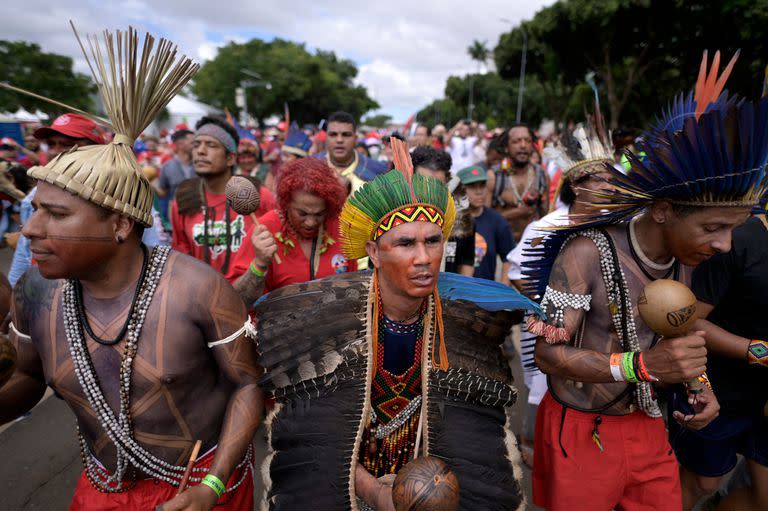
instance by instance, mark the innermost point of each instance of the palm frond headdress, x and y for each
(395, 198)
(135, 81)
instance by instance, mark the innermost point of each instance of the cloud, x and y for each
(405, 50)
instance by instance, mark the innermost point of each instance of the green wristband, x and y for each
(215, 484)
(628, 365)
(256, 271)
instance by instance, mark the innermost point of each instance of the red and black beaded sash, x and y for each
(390, 438)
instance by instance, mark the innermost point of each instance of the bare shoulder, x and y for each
(206, 295)
(32, 298)
(576, 267)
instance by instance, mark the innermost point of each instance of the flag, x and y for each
(242, 132)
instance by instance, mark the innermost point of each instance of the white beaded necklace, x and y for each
(620, 305)
(641, 255)
(120, 429)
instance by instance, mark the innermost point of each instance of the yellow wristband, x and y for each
(215, 484)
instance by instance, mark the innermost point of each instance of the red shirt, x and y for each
(295, 265)
(188, 233)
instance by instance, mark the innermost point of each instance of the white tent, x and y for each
(22, 115)
(42, 115)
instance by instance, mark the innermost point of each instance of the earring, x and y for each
(120, 240)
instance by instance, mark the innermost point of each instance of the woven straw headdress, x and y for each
(393, 199)
(135, 81)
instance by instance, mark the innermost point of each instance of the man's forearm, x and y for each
(721, 342)
(516, 212)
(578, 364)
(250, 287)
(241, 420)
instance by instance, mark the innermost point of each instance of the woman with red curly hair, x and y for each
(298, 241)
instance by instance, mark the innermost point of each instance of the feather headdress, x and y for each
(395, 198)
(710, 151)
(704, 150)
(135, 81)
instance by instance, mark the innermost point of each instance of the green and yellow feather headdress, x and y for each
(393, 199)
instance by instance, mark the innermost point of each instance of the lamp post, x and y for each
(521, 86)
(241, 99)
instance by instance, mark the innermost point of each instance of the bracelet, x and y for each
(643, 369)
(757, 353)
(704, 380)
(615, 362)
(627, 364)
(215, 484)
(259, 271)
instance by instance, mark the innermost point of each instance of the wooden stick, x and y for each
(255, 223)
(190, 463)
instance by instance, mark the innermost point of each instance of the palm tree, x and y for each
(479, 52)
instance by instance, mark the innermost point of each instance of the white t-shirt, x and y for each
(517, 257)
(462, 152)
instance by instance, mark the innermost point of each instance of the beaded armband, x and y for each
(558, 301)
(757, 353)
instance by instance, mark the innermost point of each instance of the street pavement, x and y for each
(40, 459)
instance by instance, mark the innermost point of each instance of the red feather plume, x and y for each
(708, 85)
(403, 162)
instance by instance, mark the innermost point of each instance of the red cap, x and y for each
(282, 125)
(8, 141)
(320, 137)
(72, 125)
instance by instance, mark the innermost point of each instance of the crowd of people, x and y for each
(373, 303)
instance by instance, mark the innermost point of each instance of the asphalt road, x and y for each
(40, 460)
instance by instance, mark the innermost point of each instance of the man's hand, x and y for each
(374, 493)
(197, 498)
(705, 407)
(264, 245)
(678, 359)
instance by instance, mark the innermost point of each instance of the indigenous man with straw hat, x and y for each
(601, 441)
(147, 347)
(370, 371)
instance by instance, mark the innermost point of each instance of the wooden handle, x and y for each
(190, 464)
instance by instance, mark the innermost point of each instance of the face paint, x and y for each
(409, 258)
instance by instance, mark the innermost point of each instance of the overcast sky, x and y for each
(404, 49)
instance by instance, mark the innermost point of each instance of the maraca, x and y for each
(669, 309)
(426, 484)
(7, 360)
(243, 197)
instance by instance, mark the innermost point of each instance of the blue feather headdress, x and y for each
(705, 149)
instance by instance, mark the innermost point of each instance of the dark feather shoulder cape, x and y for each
(314, 345)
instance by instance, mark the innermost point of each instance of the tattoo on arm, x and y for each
(250, 287)
(32, 296)
(576, 271)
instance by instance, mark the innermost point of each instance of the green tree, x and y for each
(642, 51)
(495, 101)
(26, 66)
(479, 52)
(378, 120)
(314, 85)
(440, 111)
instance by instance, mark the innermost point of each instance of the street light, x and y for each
(241, 100)
(521, 86)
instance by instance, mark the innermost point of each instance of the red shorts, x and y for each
(147, 494)
(636, 471)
